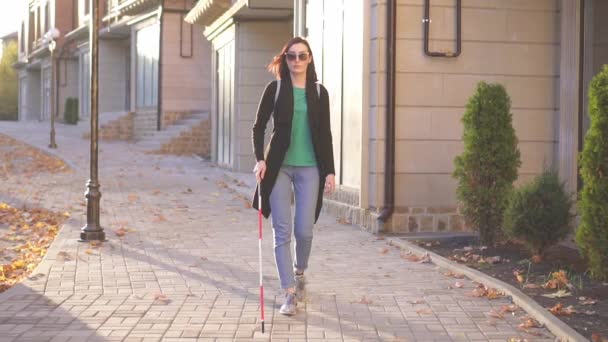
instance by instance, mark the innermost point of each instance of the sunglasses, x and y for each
(302, 56)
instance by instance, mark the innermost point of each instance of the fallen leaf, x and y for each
(363, 300)
(558, 294)
(529, 322)
(493, 260)
(516, 339)
(458, 285)
(595, 337)
(344, 221)
(89, 251)
(120, 232)
(384, 250)
(162, 298)
(536, 259)
(424, 312)
(509, 308)
(520, 278)
(454, 275)
(586, 301)
(558, 281)
(159, 218)
(495, 314)
(494, 293)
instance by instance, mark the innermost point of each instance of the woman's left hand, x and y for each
(330, 183)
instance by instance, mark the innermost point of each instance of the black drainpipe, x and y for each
(160, 68)
(389, 152)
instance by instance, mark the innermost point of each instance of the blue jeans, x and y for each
(305, 180)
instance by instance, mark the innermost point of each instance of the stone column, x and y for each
(569, 92)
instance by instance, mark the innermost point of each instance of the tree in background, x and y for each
(592, 233)
(487, 167)
(8, 82)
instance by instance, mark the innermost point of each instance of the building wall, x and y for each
(68, 83)
(257, 43)
(33, 95)
(113, 69)
(514, 43)
(186, 79)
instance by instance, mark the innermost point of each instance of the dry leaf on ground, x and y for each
(495, 314)
(529, 322)
(454, 275)
(509, 308)
(163, 299)
(558, 294)
(520, 278)
(595, 337)
(120, 232)
(424, 312)
(559, 310)
(363, 300)
(587, 301)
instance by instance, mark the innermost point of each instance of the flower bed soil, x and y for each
(585, 309)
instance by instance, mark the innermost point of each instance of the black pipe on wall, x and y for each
(389, 154)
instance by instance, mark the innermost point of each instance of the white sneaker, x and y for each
(289, 307)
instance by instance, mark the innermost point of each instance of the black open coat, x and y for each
(282, 115)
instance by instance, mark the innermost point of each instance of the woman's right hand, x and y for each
(259, 170)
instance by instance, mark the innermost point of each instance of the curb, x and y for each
(561, 330)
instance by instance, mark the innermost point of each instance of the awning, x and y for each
(207, 11)
(129, 7)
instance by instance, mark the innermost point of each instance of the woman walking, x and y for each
(299, 155)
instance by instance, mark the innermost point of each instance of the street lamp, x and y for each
(50, 38)
(93, 230)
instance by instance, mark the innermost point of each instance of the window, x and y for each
(22, 38)
(31, 33)
(147, 66)
(47, 17)
(85, 85)
(38, 27)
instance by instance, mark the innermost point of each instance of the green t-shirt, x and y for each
(300, 152)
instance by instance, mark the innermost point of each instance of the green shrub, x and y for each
(70, 115)
(592, 234)
(488, 165)
(539, 212)
(8, 83)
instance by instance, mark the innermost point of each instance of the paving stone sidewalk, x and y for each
(186, 270)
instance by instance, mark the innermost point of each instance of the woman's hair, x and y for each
(279, 67)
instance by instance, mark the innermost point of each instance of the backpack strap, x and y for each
(319, 89)
(276, 93)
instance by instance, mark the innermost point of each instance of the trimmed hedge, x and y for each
(539, 213)
(70, 115)
(488, 166)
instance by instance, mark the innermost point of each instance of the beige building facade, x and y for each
(544, 52)
(154, 69)
(245, 35)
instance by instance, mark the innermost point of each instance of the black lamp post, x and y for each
(93, 230)
(50, 37)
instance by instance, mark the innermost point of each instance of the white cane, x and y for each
(260, 253)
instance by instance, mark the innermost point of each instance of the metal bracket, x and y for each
(427, 21)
